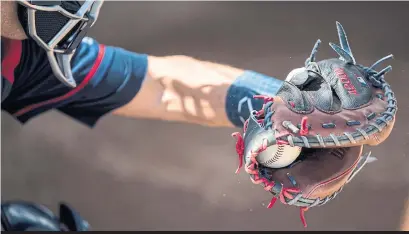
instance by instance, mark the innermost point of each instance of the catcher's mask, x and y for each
(58, 27)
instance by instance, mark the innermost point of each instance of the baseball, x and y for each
(278, 156)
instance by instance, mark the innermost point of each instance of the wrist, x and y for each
(239, 98)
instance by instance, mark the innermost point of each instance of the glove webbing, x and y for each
(377, 80)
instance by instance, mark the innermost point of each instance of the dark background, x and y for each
(149, 175)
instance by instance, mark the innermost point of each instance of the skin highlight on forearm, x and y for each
(183, 89)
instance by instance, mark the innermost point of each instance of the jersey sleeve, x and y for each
(107, 78)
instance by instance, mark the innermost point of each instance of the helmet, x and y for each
(58, 27)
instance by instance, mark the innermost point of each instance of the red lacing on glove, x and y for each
(304, 126)
(252, 167)
(239, 148)
(292, 104)
(268, 185)
(264, 97)
(286, 193)
(245, 125)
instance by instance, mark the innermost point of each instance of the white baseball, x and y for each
(278, 156)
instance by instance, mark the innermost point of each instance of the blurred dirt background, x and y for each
(150, 175)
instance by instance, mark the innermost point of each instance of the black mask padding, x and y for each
(48, 24)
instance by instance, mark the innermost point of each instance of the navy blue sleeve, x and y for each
(107, 78)
(112, 83)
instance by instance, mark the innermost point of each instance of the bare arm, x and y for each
(181, 88)
(175, 88)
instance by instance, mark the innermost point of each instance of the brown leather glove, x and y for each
(330, 108)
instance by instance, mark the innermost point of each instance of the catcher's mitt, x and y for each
(330, 108)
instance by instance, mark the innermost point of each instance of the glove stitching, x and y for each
(265, 117)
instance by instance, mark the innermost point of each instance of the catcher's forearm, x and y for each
(184, 89)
